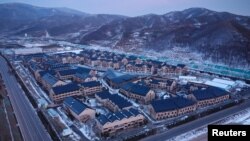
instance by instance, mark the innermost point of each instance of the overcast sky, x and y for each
(141, 7)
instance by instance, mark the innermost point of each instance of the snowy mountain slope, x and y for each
(219, 36)
(19, 19)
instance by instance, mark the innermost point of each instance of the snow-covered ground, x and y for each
(87, 131)
(66, 122)
(43, 97)
(77, 51)
(243, 117)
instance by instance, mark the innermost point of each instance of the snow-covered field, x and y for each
(243, 117)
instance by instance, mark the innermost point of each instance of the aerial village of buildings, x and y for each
(102, 94)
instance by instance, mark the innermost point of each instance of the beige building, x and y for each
(66, 74)
(119, 121)
(140, 68)
(79, 110)
(49, 81)
(139, 92)
(209, 96)
(91, 88)
(172, 107)
(59, 93)
(80, 78)
(169, 85)
(114, 102)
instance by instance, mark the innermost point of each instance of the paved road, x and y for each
(28, 121)
(198, 123)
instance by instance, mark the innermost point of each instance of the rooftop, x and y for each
(163, 105)
(74, 71)
(50, 79)
(115, 98)
(209, 93)
(75, 105)
(136, 88)
(171, 104)
(52, 72)
(65, 88)
(67, 72)
(111, 117)
(90, 84)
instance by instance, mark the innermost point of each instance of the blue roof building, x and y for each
(139, 92)
(210, 96)
(166, 108)
(90, 84)
(65, 88)
(209, 93)
(90, 88)
(117, 81)
(58, 93)
(113, 101)
(79, 110)
(67, 72)
(114, 122)
(50, 81)
(75, 105)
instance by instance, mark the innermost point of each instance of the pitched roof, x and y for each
(65, 88)
(41, 73)
(58, 66)
(217, 91)
(75, 105)
(109, 74)
(115, 98)
(82, 70)
(90, 84)
(111, 117)
(127, 86)
(103, 119)
(163, 105)
(82, 76)
(136, 88)
(209, 93)
(140, 90)
(170, 104)
(123, 78)
(49, 79)
(67, 72)
(182, 102)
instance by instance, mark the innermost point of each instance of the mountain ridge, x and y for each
(217, 36)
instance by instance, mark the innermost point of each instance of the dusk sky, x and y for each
(141, 7)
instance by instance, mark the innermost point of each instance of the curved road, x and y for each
(30, 125)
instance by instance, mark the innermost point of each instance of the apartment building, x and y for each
(117, 81)
(78, 110)
(90, 88)
(139, 92)
(118, 121)
(49, 81)
(59, 93)
(80, 78)
(172, 107)
(168, 85)
(114, 102)
(210, 96)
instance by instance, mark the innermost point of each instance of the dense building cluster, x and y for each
(117, 82)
